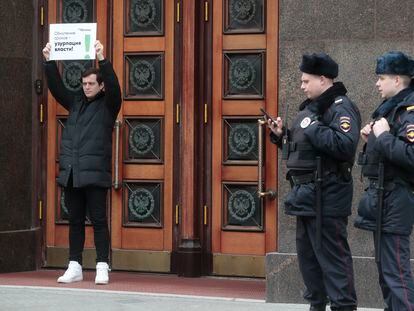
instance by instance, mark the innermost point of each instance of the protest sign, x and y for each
(72, 41)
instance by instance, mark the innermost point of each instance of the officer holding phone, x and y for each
(320, 150)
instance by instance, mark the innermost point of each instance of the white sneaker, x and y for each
(72, 274)
(102, 270)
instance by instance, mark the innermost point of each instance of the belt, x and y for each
(300, 147)
(388, 185)
(302, 179)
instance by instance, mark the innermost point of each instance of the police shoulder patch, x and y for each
(410, 133)
(305, 122)
(345, 124)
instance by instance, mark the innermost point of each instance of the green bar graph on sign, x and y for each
(87, 45)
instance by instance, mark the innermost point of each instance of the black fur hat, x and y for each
(319, 64)
(395, 63)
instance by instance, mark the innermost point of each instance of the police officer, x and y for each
(389, 141)
(326, 127)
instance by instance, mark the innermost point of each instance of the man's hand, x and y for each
(366, 130)
(99, 50)
(380, 127)
(276, 126)
(46, 51)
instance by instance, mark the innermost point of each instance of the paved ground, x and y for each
(21, 298)
(38, 290)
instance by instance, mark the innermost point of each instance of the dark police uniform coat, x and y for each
(327, 127)
(396, 150)
(86, 145)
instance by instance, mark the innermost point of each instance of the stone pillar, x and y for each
(19, 233)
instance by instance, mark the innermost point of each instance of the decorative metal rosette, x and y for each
(141, 139)
(242, 74)
(242, 139)
(243, 11)
(141, 203)
(75, 11)
(143, 12)
(63, 202)
(71, 76)
(142, 75)
(241, 205)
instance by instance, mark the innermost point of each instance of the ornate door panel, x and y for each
(244, 80)
(67, 11)
(143, 44)
(138, 38)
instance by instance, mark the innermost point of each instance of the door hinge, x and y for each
(206, 13)
(205, 215)
(205, 113)
(40, 203)
(177, 214)
(42, 15)
(41, 113)
(178, 12)
(177, 117)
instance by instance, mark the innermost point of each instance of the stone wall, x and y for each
(17, 232)
(354, 33)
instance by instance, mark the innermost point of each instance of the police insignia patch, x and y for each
(305, 122)
(345, 124)
(410, 133)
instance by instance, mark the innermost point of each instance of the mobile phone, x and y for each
(267, 115)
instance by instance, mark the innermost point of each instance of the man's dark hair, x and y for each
(93, 71)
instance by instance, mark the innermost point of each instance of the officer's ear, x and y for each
(325, 80)
(322, 80)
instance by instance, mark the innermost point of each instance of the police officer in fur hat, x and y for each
(325, 131)
(388, 163)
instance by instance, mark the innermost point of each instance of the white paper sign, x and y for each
(72, 41)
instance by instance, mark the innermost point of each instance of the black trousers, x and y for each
(394, 272)
(327, 273)
(78, 201)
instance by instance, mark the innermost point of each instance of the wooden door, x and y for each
(245, 52)
(239, 47)
(143, 53)
(138, 39)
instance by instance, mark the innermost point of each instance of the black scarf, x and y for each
(320, 104)
(389, 104)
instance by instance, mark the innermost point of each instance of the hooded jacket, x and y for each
(86, 143)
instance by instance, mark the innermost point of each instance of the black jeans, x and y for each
(93, 199)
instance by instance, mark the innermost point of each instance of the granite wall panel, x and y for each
(354, 33)
(18, 238)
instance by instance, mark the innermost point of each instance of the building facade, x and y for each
(189, 153)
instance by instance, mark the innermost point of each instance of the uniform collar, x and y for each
(326, 99)
(389, 104)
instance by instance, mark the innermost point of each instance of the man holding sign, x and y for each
(85, 157)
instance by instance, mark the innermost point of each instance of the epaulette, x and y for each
(409, 108)
(340, 101)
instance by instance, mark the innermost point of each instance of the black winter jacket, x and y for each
(86, 145)
(334, 135)
(396, 148)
